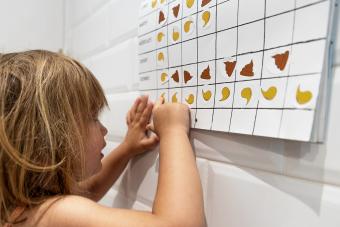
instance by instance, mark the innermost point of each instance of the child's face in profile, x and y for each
(94, 145)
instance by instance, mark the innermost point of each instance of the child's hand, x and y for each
(137, 119)
(169, 118)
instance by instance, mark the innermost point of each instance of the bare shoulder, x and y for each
(75, 211)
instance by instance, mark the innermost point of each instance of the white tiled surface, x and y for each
(34, 24)
(247, 181)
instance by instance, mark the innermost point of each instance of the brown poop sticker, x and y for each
(161, 17)
(229, 67)
(205, 2)
(281, 60)
(187, 76)
(175, 76)
(206, 74)
(175, 10)
(248, 70)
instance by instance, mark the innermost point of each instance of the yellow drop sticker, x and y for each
(270, 93)
(160, 56)
(175, 35)
(153, 3)
(164, 77)
(160, 36)
(303, 97)
(174, 98)
(190, 99)
(187, 26)
(246, 93)
(206, 95)
(206, 18)
(225, 94)
(190, 3)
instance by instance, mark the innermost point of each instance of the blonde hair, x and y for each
(46, 101)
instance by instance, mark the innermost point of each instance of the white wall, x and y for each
(247, 181)
(33, 24)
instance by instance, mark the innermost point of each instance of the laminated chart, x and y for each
(255, 67)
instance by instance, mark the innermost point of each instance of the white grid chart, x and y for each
(242, 66)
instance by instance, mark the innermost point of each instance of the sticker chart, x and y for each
(255, 67)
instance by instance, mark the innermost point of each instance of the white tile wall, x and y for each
(247, 181)
(34, 24)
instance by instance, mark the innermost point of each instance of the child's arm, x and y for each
(135, 142)
(179, 199)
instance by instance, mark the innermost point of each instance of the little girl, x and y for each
(52, 170)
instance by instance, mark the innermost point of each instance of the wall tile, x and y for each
(91, 35)
(114, 67)
(114, 118)
(123, 17)
(79, 10)
(35, 24)
(241, 197)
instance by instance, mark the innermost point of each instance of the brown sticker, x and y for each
(248, 70)
(206, 74)
(161, 17)
(175, 10)
(229, 67)
(187, 76)
(281, 60)
(205, 2)
(175, 76)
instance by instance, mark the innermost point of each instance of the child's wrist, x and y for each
(127, 149)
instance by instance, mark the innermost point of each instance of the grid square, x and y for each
(189, 52)
(276, 62)
(279, 30)
(290, 130)
(246, 94)
(175, 8)
(249, 66)
(175, 77)
(305, 23)
(205, 25)
(224, 95)
(242, 121)
(175, 95)
(278, 6)
(206, 47)
(307, 58)
(206, 73)
(221, 120)
(272, 93)
(205, 96)
(226, 70)
(189, 96)
(226, 43)
(268, 123)
(302, 91)
(251, 10)
(251, 37)
(203, 118)
(189, 75)
(175, 56)
(227, 15)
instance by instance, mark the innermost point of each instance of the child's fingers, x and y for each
(140, 109)
(133, 109)
(150, 142)
(146, 115)
(150, 127)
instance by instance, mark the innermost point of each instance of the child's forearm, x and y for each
(179, 192)
(112, 167)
